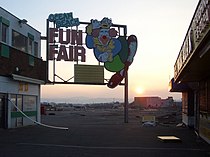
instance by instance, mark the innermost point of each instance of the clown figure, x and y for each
(116, 53)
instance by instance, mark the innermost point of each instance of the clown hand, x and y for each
(95, 24)
(103, 57)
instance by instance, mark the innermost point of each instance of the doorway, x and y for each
(3, 118)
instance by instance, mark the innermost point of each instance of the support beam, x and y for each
(126, 99)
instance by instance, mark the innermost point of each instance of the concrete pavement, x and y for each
(99, 133)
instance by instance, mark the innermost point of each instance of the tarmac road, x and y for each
(99, 133)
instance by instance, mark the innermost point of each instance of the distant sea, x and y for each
(83, 100)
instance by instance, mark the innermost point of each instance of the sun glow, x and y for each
(139, 90)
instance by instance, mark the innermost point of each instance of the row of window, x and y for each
(25, 103)
(19, 41)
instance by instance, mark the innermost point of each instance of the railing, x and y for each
(199, 27)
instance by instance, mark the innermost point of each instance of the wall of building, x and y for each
(22, 28)
(188, 108)
(204, 105)
(20, 63)
(22, 70)
(168, 102)
(192, 69)
(20, 48)
(26, 96)
(152, 102)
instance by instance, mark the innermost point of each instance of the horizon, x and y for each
(88, 100)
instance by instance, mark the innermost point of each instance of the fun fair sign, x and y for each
(65, 44)
(115, 51)
(64, 20)
(68, 49)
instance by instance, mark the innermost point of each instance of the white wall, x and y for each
(23, 28)
(9, 86)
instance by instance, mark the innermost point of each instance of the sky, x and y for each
(160, 26)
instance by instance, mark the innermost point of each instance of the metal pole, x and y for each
(54, 70)
(47, 53)
(126, 98)
(126, 87)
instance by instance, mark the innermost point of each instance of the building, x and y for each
(168, 102)
(153, 102)
(192, 72)
(22, 71)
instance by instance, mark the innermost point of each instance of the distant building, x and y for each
(22, 71)
(167, 102)
(192, 72)
(153, 102)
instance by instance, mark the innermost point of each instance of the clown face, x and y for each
(104, 37)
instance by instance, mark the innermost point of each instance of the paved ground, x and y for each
(97, 133)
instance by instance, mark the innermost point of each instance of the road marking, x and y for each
(108, 148)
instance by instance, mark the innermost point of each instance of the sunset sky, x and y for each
(160, 26)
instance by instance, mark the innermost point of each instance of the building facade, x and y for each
(153, 102)
(22, 71)
(192, 72)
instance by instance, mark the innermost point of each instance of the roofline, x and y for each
(19, 19)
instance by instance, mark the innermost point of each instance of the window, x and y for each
(5, 52)
(203, 96)
(29, 103)
(30, 43)
(19, 41)
(185, 102)
(31, 60)
(18, 101)
(25, 103)
(4, 34)
(4, 29)
(20, 106)
(13, 100)
(35, 49)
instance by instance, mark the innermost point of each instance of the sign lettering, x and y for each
(64, 20)
(66, 44)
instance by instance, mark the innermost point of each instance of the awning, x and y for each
(177, 87)
(27, 79)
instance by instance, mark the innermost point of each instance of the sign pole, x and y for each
(126, 98)
(47, 53)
